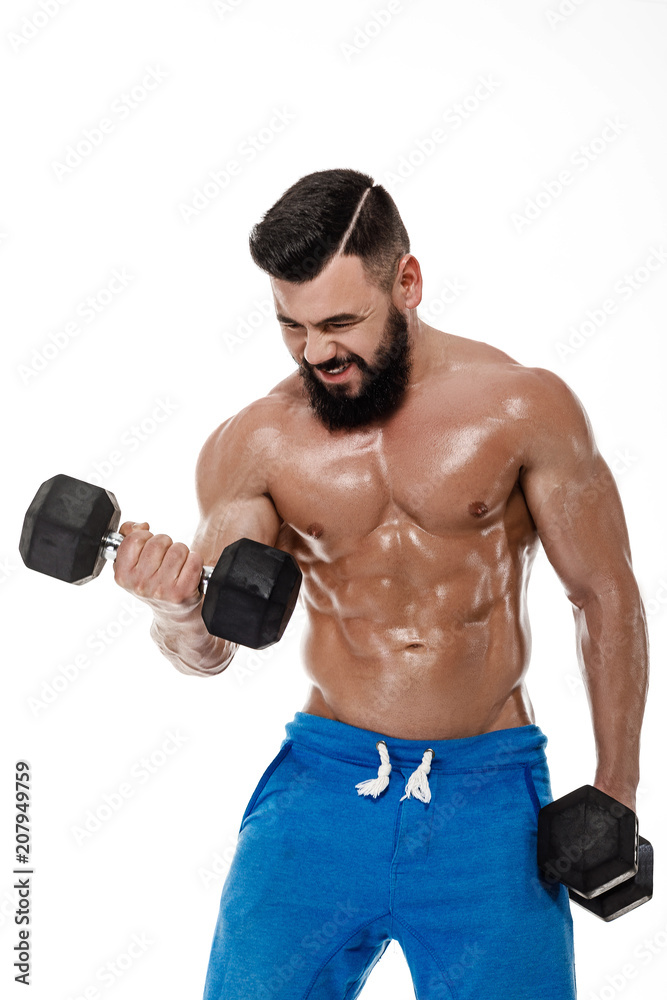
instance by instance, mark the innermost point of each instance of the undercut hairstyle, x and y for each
(326, 214)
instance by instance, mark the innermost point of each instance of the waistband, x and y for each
(501, 748)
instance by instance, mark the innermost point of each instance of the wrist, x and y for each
(623, 790)
(166, 614)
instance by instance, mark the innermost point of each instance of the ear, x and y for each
(407, 291)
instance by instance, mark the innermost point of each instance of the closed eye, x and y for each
(335, 326)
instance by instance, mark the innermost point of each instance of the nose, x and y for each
(318, 349)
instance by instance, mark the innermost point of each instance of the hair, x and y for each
(326, 214)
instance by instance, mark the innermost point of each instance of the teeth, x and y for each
(337, 371)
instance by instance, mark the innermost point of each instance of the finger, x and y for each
(173, 561)
(129, 565)
(177, 580)
(151, 555)
(128, 526)
(190, 573)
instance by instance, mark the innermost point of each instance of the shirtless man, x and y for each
(414, 490)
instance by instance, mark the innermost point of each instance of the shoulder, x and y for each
(534, 394)
(260, 422)
(248, 440)
(556, 429)
(544, 409)
(550, 404)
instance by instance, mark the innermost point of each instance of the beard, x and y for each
(383, 382)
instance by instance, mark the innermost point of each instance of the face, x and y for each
(340, 319)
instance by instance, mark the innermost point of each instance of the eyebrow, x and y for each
(338, 318)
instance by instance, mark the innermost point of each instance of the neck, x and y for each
(422, 347)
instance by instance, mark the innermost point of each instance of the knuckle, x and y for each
(164, 541)
(195, 562)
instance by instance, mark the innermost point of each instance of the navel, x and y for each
(478, 508)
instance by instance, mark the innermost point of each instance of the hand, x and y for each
(163, 573)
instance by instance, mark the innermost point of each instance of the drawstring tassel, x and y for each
(417, 785)
(375, 786)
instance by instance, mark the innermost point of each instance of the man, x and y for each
(413, 474)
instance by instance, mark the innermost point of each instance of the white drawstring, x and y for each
(417, 785)
(374, 786)
(418, 781)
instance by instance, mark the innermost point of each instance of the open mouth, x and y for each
(336, 374)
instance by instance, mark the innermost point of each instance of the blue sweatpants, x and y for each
(324, 877)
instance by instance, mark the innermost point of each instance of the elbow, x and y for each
(614, 594)
(215, 662)
(198, 671)
(201, 669)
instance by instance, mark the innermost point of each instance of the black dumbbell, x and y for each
(590, 842)
(69, 532)
(628, 894)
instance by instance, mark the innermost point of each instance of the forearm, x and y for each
(612, 645)
(184, 640)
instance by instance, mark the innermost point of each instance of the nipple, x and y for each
(478, 508)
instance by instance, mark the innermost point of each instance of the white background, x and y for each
(129, 398)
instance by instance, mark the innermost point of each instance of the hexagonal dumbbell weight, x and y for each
(590, 842)
(626, 895)
(69, 532)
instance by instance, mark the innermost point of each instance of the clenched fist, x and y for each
(163, 573)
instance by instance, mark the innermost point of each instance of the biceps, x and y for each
(254, 518)
(581, 524)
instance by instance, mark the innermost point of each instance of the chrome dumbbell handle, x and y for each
(111, 543)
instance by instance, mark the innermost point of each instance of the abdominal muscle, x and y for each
(426, 673)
